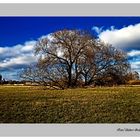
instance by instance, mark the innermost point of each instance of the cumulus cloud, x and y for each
(135, 65)
(97, 29)
(17, 55)
(134, 53)
(126, 38)
(3, 50)
(28, 46)
(19, 60)
(134, 59)
(14, 58)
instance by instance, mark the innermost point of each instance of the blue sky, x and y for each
(19, 34)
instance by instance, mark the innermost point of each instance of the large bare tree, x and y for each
(70, 58)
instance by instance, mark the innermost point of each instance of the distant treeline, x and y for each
(11, 82)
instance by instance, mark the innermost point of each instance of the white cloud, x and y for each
(17, 55)
(134, 56)
(124, 38)
(15, 58)
(3, 50)
(135, 66)
(28, 47)
(134, 53)
(97, 29)
(19, 60)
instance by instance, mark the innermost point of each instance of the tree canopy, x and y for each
(73, 58)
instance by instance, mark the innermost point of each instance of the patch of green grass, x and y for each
(25, 104)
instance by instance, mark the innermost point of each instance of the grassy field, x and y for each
(19, 104)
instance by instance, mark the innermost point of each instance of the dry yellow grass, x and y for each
(34, 104)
